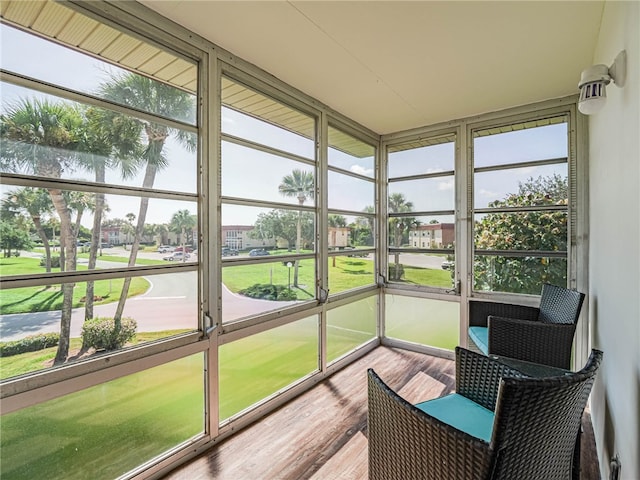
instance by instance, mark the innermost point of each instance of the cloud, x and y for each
(487, 193)
(448, 185)
(361, 170)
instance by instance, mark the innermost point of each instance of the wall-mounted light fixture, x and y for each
(593, 83)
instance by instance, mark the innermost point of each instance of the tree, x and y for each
(146, 94)
(181, 222)
(109, 140)
(538, 230)
(299, 184)
(35, 202)
(42, 137)
(14, 237)
(398, 226)
(337, 221)
(282, 224)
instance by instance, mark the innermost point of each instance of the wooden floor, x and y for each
(321, 435)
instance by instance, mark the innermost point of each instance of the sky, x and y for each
(252, 174)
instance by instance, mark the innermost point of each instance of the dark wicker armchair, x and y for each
(532, 432)
(540, 335)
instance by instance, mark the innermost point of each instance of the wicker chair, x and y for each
(532, 434)
(539, 335)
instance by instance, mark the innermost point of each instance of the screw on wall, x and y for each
(614, 467)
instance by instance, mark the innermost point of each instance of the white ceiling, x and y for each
(396, 65)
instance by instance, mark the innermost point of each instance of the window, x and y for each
(101, 221)
(521, 204)
(351, 198)
(268, 219)
(421, 212)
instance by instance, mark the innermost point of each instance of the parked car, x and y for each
(186, 248)
(177, 256)
(258, 252)
(448, 265)
(229, 252)
(165, 249)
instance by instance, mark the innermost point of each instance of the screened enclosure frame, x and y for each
(215, 64)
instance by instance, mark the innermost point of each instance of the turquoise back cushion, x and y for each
(480, 336)
(461, 413)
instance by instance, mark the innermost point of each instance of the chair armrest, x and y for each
(478, 377)
(479, 312)
(407, 443)
(532, 341)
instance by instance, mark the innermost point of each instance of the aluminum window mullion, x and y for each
(531, 163)
(532, 208)
(446, 173)
(265, 148)
(265, 204)
(20, 180)
(342, 171)
(53, 278)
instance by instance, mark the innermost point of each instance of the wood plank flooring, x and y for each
(321, 435)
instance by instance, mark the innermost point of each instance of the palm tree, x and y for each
(181, 222)
(42, 137)
(145, 94)
(109, 140)
(299, 184)
(36, 202)
(397, 225)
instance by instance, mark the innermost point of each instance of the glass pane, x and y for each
(260, 288)
(436, 231)
(349, 326)
(272, 230)
(280, 179)
(422, 160)
(351, 154)
(158, 305)
(38, 236)
(106, 430)
(433, 231)
(422, 320)
(525, 145)
(350, 193)
(351, 271)
(253, 116)
(350, 231)
(538, 230)
(258, 366)
(519, 187)
(518, 274)
(431, 269)
(115, 148)
(427, 194)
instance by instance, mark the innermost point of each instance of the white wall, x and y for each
(614, 251)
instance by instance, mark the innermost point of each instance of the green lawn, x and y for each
(49, 298)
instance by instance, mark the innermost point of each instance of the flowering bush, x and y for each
(101, 334)
(31, 343)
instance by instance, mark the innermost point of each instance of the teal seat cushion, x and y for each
(461, 413)
(480, 336)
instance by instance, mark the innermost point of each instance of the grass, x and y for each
(239, 277)
(49, 298)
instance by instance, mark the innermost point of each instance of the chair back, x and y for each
(560, 305)
(407, 444)
(537, 423)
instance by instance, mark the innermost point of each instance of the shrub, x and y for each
(396, 272)
(267, 291)
(55, 261)
(100, 333)
(31, 343)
